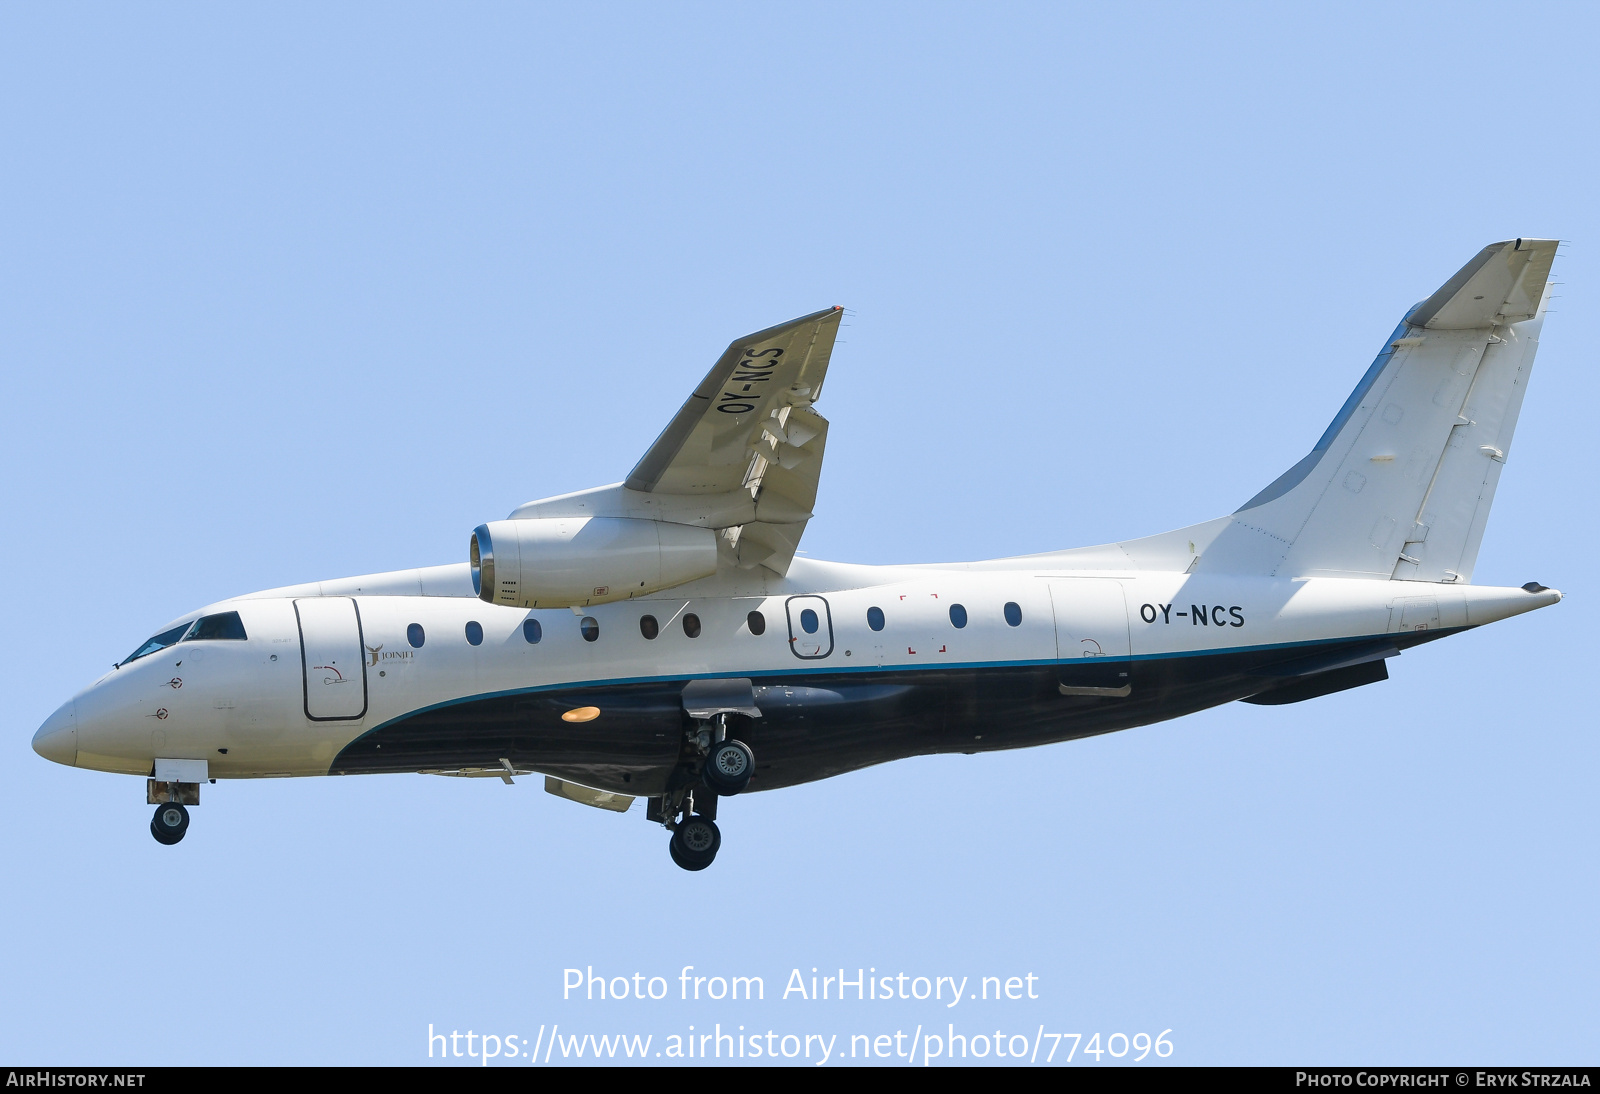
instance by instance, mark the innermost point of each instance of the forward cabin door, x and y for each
(1093, 652)
(332, 667)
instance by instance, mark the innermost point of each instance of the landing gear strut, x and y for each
(721, 766)
(170, 823)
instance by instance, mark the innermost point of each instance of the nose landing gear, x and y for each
(170, 797)
(170, 823)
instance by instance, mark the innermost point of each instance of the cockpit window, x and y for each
(211, 627)
(159, 642)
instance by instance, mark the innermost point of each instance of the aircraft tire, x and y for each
(695, 844)
(672, 849)
(170, 823)
(729, 766)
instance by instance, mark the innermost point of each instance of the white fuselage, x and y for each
(270, 706)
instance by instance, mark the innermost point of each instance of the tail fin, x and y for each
(1401, 483)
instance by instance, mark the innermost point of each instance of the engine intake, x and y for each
(561, 562)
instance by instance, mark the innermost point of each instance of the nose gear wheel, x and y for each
(170, 823)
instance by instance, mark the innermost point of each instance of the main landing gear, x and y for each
(729, 767)
(695, 844)
(716, 766)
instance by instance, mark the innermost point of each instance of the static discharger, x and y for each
(581, 714)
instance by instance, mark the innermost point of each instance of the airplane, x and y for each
(661, 638)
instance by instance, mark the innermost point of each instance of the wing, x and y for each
(749, 430)
(708, 447)
(743, 456)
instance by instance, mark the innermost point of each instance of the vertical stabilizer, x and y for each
(1401, 482)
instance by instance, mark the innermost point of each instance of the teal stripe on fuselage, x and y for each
(845, 670)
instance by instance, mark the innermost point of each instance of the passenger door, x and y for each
(331, 662)
(1093, 651)
(810, 627)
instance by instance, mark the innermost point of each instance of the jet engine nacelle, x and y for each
(561, 562)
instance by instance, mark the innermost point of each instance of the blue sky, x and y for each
(293, 292)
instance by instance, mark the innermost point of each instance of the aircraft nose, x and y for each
(57, 739)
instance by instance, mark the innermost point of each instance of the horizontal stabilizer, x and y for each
(1502, 284)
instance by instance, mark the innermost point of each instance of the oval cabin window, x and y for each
(649, 627)
(475, 633)
(1013, 613)
(757, 623)
(532, 631)
(589, 627)
(958, 616)
(691, 625)
(875, 618)
(415, 636)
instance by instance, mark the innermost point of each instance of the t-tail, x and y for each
(1400, 484)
